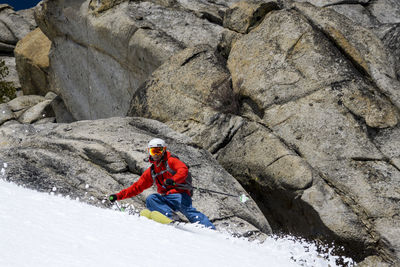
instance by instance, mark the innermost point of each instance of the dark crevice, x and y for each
(347, 2)
(228, 138)
(223, 99)
(290, 50)
(211, 18)
(253, 105)
(386, 160)
(195, 55)
(275, 160)
(392, 164)
(365, 159)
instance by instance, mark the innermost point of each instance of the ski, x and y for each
(161, 218)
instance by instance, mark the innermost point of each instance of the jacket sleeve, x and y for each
(180, 168)
(144, 182)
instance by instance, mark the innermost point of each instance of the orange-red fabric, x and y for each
(145, 181)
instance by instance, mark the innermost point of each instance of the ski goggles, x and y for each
(156, 151)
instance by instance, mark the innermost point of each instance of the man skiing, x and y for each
(173, 186)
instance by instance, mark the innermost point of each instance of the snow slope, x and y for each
(40, 229)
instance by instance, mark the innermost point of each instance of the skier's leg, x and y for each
(156, 202)
(192, 214)
(174, 201)
(164, 204)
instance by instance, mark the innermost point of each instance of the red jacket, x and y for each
(146, 180)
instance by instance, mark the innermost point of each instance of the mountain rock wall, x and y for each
(298, 100)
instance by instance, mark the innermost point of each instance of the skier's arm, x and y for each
(180, 168)
(144, 182)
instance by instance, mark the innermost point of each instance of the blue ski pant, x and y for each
(177, 202)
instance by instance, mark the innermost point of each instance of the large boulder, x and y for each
(381, 17)
(293, 126)
(143, 35)
(13, 27)
(92, 159)
(304, 112)
(314, 97)
(32, 60)
(361, 46)
(35, 109)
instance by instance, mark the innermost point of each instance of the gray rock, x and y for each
(291, 76)
(364, 49)
(61, 112)
(204, 9)
(391, 39)
(109, 155)
(243, 16)
(6, 36)
(39, 111)
(301, 88)
(373, 261)
(29, 16)
(184, 85)
(6, 113)
(19, 104)
(16, 23)
(13, 27)
(388, 141)
(385, 11)
(324, 3)
(358, 14)
(12, 71)
(305, 117)
(150, 32)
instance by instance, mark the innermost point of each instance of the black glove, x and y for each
(113, 198)
(169, 182)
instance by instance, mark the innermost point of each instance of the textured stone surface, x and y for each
(32, 59)
(12, 71)
(143, 34)
(364, 49)
(109, 155)
(6, 113)
(13, 27)
(302, 109)
(244, 15)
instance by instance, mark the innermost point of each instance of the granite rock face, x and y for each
(298, 100)
(13, 27)
(32, 60)
(143, 34)
(92, 159)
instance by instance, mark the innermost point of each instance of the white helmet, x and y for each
(156, 142)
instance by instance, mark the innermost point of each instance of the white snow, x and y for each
(39, 229)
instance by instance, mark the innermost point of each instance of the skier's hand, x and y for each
(169, 182)
(113, 198)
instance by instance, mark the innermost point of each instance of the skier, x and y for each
(173, 182)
